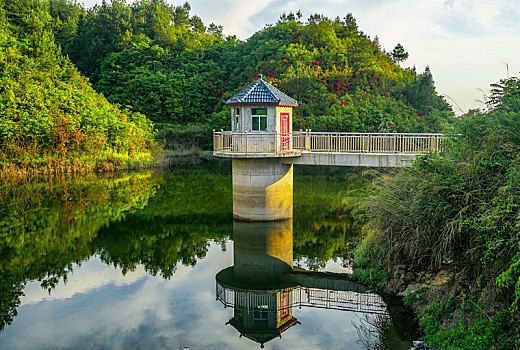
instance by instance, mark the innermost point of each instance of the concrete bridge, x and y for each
(325, 148)
(264, 149)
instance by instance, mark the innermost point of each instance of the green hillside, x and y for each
(165, 63)
(51, 119)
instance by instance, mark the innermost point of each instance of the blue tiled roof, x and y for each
(261, 92)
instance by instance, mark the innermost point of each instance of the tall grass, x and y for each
(460, 206)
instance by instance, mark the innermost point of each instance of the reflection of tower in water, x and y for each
(263, 286)
(255, 285)
(263, 251)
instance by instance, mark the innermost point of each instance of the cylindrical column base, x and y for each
(263, 251)
(262, 189)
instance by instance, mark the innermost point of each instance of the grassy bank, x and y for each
(455, 214)
(33, 165)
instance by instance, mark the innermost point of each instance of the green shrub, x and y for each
(185, 137)
(373, 277)
(481, 334)
(415, 297)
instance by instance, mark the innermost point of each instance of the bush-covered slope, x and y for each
(51, 119)
(460, 208)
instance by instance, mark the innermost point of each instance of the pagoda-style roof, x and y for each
(262, 93)
(262, 335)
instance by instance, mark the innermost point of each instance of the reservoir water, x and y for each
(130, 261)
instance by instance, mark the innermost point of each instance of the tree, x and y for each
(316, 18)
(181, 15)
(399, 54)
(503, 90)
(350, 23)
(216, 30)
(197, 25)
(376, 42)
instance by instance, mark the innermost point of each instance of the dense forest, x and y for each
(165, 63)
(62, 62)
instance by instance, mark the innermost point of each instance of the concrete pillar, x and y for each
(263, 251)
(262, 189)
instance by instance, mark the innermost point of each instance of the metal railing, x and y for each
(229, 143)
(249, 143)
(302, 296)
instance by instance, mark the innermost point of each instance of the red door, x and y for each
(284, 305)
(284, 132)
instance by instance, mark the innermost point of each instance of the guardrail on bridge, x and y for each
(230, 143)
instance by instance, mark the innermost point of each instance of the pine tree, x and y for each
(399, 54)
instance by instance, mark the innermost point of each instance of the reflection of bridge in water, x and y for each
(263, 287)
(304, 296)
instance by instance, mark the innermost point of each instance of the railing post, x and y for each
(245, 137)
(330, 143)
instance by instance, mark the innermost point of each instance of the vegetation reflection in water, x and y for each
(153, 219)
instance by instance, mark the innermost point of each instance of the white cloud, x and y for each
(90, 275)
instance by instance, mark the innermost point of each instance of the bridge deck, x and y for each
(321, 148)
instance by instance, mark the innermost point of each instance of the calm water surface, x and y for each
(128, 261)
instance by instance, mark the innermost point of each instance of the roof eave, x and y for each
(261, 104)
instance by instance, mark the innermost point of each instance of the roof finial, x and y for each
(260, 75)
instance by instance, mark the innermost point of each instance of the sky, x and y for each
(468, 44)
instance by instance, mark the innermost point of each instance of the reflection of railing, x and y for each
(227, 142)
(303, 296)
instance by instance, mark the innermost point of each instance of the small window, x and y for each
(237, 118)
(261, 316)
(259, 119)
